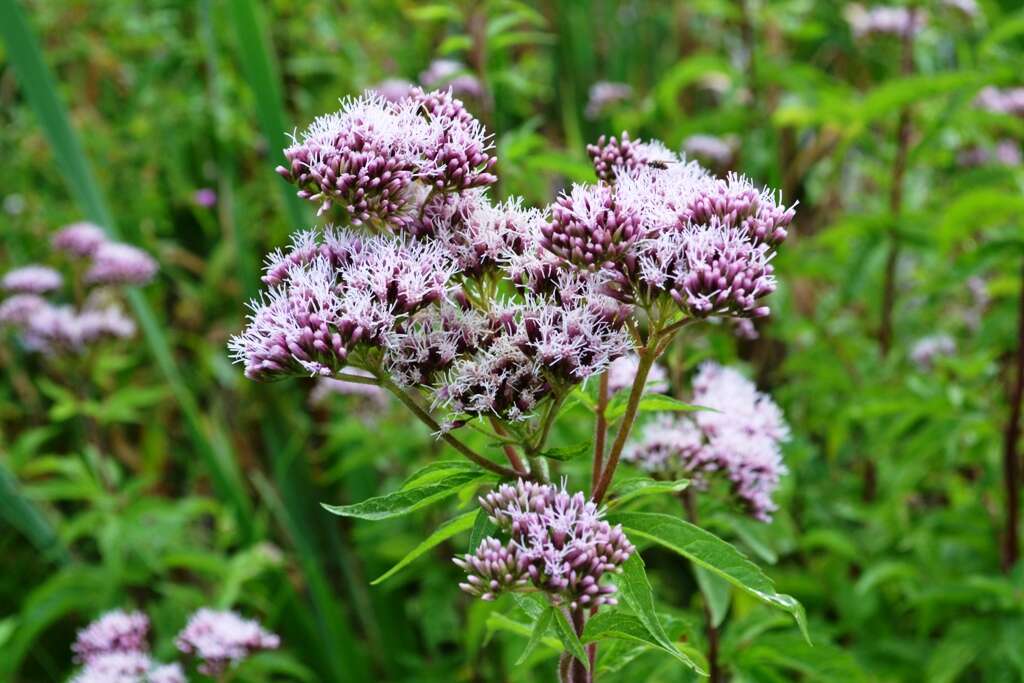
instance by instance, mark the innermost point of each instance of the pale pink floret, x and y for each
(117, 667)
(115, 263)
(220, 639)
(116, 631)
(79, 239)
(31, 279)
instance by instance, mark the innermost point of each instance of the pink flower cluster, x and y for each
(115, 647)
(1001, 100)
(667, 227)
(62, 328)
(223, 638)
(739, 436)
(375, 160)
(559, 543)
(882, 20)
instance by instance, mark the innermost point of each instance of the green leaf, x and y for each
(403, 502)
(717, 593)
(707, 550)
(437, 471)
(621, 626)
(567, 634)
(635, 591)
(635, 487)
(540, 629)
(566, 453)
(453, 526)
(651, 403)
(482, 528)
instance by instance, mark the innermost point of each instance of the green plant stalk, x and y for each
(1011, 455)
(647, 357)
(428, 420)
(259, 65)
(689, 500)
(40, 89)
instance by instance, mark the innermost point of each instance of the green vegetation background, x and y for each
(155, 475)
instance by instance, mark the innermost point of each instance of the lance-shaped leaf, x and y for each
(707, 550)
(540, 629)
(651, 403)
(621, 626)
(635, 591)
(717, 593)
(403, 502)
(453, 526)
(482, 528)
(567, 634)
(643, 486)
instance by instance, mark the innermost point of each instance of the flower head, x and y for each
(114, 263)
(927, 350)
(116, 631)
(1001, 101)
(362, 159)
(19, 309)
(710, 149)
(883, 20)
(223, 638)
(605, 95)
(738, 439)
(392, 89)
(559, 543)
(622, 373)
(456, 154)
(613, 156)
(32, 279)
(79, 239)
(591, 229)
(453, 75)
(117, 667)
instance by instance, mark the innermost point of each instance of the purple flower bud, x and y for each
(591, 229)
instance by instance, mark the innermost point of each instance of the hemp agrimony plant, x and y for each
(490, 316)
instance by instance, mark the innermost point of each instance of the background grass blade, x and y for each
(261, 72)
(41, 91)
(24, 515)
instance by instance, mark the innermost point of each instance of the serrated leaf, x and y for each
(621, 626)
(453, 526)
(707, 550)
(532, 605)
(567, 634)
(540, 629)
(403, 502)
(643, 486)
(635, 591)
(567, 453)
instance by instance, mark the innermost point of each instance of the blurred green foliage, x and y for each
(156, 476)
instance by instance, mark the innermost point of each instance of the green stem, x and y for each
(428, 420)
(647, 357)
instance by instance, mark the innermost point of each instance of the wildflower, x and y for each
(456, 151)
(709, 149)
(328, 386)
(114, 632)
(79, 239)
(478, 234)
(622, 373)
(882, 20)
(1005, 153)
(19, 309)
(925, 351)
(114, 263)
(205, 197)
(559, 543)
(392, 89)
(604, 95)
(453, 75)
(738, 438)
(31, 279)
(166, 673)
(223, 638)
(589, 228)
(424, 346)
(116, 667)
(362, 159)
(611, 156)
